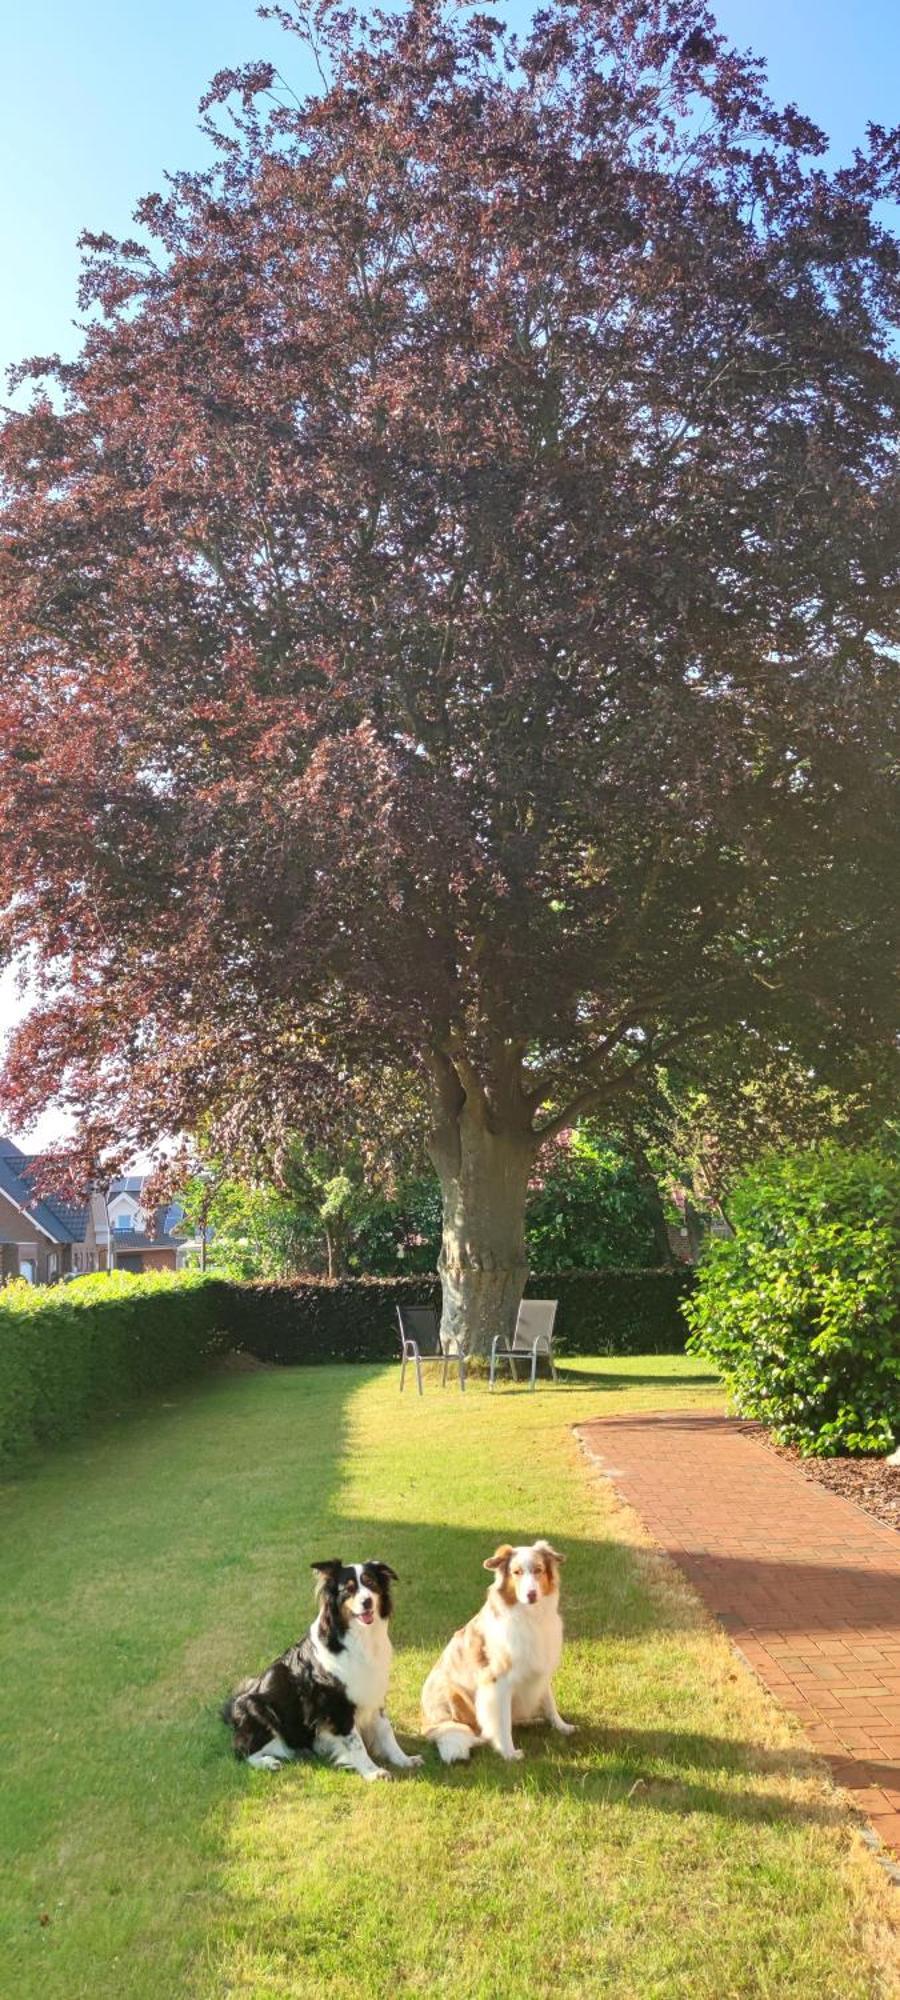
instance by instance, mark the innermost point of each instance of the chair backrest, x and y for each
(421, 1324)
(535, 1323)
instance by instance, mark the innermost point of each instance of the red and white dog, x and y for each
(499, 1668)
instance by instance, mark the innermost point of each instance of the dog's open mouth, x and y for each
(366, 1617)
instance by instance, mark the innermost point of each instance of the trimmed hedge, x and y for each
(68, 1352)
(355, 1319)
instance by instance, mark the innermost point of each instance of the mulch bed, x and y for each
(874, 1486)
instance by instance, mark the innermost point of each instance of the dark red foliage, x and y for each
(449, 606)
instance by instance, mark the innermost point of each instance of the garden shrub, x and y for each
(68, 1351)
(799, 1309)
(586, 1209)
(355, 1319)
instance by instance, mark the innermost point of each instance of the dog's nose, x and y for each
(532, 1596)
(367, 1604)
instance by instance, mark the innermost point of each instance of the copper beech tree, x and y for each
(448, 605)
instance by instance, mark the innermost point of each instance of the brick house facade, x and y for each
(42, 1238)
(141, 1238)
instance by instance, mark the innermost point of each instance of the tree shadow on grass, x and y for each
(442, 1583)
(637, 1773)
(584, 1378)
(665, 1770)
(171, 1547)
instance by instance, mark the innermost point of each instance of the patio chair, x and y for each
(420, 1341)
(532, 1338)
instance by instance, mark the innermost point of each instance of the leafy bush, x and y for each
(800, 1310)
(402, 1237)
(69, 1351)
(355, 1319)
(587, 1210)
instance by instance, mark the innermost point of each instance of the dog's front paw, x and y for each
(564, 1728)
(513, 1756)
(379, 1772)
(413, 1764)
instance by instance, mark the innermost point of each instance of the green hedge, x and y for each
(800, 1309)
(70, 1351)
(355, 1319)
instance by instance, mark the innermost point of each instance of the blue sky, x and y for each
(99, 99)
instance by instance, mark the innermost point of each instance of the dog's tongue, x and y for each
(367, 1617)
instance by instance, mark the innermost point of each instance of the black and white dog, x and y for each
(326, 1694)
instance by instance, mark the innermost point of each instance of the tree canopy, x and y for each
(451, 602)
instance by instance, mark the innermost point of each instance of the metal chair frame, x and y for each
(412, 1349)
(523, 1347)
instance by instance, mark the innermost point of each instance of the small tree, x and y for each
(306, 1217)
(331, 1200)
(450, 602)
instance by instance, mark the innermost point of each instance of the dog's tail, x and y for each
(250, 1720)
(230, 1710)
(454, 1741)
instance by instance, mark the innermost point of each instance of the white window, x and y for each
(26, 1269)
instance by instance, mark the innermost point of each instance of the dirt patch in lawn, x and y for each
(874, 1486)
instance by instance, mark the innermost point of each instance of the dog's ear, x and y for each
(385, 1576)
(547, 1549)
(328, 1595)
(500, 1557)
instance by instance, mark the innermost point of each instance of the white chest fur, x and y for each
(363, 1665)
(533, 1637)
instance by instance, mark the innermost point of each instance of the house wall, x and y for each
(129, 1206)
(147, 1260)
(21, 1241)
(88, 1255)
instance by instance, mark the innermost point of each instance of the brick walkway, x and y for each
(806, 1584)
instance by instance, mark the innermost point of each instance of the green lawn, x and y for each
(681, 1844)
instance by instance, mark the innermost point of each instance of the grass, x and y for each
(681, 1844)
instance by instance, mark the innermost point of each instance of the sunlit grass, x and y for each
(681, 1844)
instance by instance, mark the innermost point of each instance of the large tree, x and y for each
(449, 603)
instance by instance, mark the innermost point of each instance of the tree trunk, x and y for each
(483, 1264)
(693, 1222)
(650, 1189)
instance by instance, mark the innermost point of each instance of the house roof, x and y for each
(66, 1222)
(62, 1221)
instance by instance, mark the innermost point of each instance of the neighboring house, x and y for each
(142, 1238)
(699, 1219)
(42, 1237)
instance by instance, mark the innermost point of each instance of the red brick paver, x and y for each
(807, 1585)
